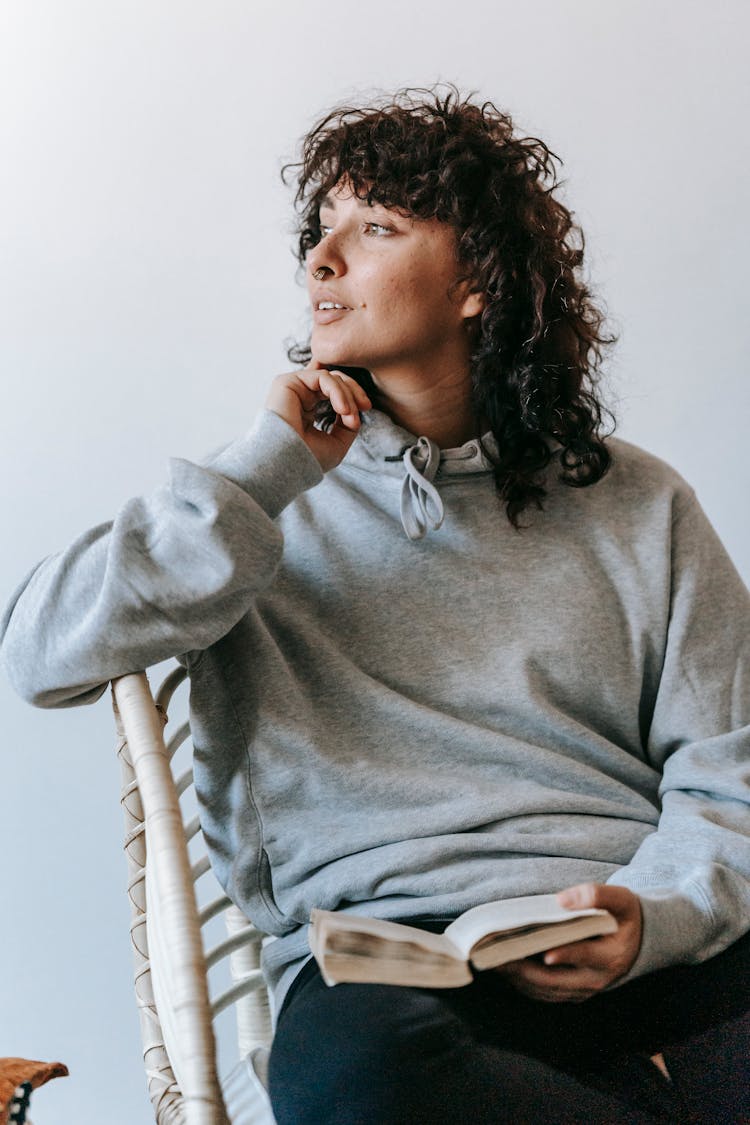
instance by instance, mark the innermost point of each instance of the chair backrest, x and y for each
(177, 911)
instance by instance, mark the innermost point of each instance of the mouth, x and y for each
(325, 311)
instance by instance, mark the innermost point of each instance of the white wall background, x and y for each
(146, 289)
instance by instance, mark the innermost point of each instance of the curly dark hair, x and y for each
(538, 346)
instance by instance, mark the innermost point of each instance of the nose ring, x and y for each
(319, 273)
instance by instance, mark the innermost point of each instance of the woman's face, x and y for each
(383, 299)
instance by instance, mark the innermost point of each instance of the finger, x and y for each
(363, 399)
(551, 993)
(357, 397)
(339, 394)
(595, 953)
(564, 976)
(337, 390)
(558, 979)
(619, 901)
(316, 382)
(359, 392)
(310, 375)
(306, 390)
(561, 996)
(323, 382)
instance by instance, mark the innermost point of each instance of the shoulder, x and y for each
(640, 497)
(636, 477)
(630, 460)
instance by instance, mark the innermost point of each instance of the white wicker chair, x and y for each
(170, 912)
(177, 910)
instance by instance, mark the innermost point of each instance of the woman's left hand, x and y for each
(578, 971)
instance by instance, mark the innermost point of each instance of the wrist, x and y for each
(271, 462)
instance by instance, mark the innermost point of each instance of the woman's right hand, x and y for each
(294, 397)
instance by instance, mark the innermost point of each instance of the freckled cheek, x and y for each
(386, 299)
(399, 290)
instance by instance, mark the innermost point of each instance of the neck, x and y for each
(440, 409)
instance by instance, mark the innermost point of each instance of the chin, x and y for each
(335, 353)
(327, 352)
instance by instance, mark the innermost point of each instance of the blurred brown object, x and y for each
(18, 1072)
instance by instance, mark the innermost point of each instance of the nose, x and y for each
(325, 259)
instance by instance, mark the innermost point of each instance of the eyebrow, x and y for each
(329, 201)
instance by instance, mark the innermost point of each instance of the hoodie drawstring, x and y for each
(421, 507)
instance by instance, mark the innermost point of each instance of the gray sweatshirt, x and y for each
(402, 706)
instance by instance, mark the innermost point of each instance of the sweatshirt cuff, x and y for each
(271, 463)
(678, 927)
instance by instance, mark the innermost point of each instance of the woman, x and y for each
(446, 645)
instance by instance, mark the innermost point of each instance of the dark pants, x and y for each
(385, 1055)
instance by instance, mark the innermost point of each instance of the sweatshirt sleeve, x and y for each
(172, 573)
(693, 873)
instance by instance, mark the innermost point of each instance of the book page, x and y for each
(500, 948)
(325, 923)
(509, 914)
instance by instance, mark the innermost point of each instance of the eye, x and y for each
(324, 230)
(378, 229)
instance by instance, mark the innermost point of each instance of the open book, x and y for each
(350, 948)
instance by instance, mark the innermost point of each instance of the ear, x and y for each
(468, 297)
(473, 304)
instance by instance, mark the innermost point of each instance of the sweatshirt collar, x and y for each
(380, 446)
(385, 448)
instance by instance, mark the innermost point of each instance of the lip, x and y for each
(318, 295)
(327, 316)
